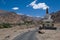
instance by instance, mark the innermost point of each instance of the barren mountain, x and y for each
(9, 17)
(56, 16)
(12, 17)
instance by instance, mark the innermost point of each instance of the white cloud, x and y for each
(15, 8)
(20, 13)
(29, 15)
(37, 16)
(38, 6)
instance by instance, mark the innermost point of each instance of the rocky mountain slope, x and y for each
(56, 16)
(9, 17)
(12, 17)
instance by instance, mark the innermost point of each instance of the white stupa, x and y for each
(47, 17)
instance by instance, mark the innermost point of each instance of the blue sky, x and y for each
(28, 8)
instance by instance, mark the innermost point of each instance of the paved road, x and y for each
(30, 35)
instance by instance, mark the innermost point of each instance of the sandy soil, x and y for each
(57, 24)
(10, 33)
(49, 35)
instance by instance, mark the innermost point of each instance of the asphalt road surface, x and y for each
(30, 35)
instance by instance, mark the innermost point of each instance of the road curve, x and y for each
(30, 35)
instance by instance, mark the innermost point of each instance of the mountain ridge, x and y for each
(56, 16)
(12, 17)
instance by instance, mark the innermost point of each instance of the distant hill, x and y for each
(12, 17)
(56, 16)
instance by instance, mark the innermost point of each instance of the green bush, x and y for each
(5, 25)
(28, 22)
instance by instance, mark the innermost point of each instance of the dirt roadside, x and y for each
(10, 33)
(49, 35)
